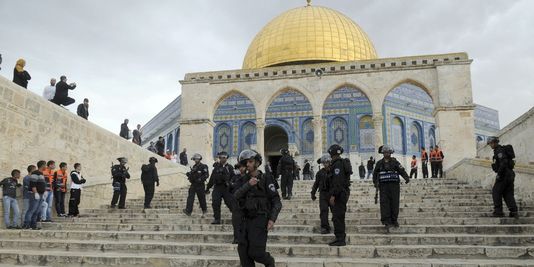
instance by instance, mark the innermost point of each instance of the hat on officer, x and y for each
(387, 149)
(493, 139)
(196, 156)
(121, 159)
(222, 154)
(153, 159)
(324, 159)
(284, 151)
(335, 149)
(247, 154)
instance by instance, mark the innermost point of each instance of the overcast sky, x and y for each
(128, 56)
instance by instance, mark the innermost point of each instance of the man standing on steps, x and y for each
(149, 177)
(386, 179)
(220, 181)
(370, 166)
(424, 162)
(261, 208)
(183, 157)
(197, 177)
(503, 165)
(286, 168)
(340, 172)
(119, 173)
(322, 183)
(237, 213)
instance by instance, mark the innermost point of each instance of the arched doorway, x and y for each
(276, 138)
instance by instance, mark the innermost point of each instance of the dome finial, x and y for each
(309, 2)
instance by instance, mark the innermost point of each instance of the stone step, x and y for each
(310, 227)
(277, 250)
(85, 259)
(285, 238)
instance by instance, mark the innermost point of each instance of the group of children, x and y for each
(43, 187)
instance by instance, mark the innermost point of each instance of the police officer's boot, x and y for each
(325, 231)
(497, 214)
(216, 222)
(186, 213)
(514, 214)
(338, 243)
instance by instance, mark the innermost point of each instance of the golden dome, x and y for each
(306, 35)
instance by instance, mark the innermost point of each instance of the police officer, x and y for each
(340, 172)
(149, 177)
(503, 165)
(261, 206)
(197, 177)
(286, 168)
(386, 179)
(322, 183)
(238, 179)
(220, 180)
(119, 173)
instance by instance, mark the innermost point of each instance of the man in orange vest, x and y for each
(439, 161)
(48, 173)
(424, 161)
(413, 166)
(60, 188)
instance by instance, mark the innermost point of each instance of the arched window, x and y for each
(223, 138)
(397, 135)
(415, 137)
(307, 137)
(367, 133)
(339, 133)
(247, 136)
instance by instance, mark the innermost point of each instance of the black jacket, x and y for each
(119, 173)
(82, 111)
(149, 174)
(124, 131)
(340, 171)
(322, 182)
(62, 91)
(21, 78)
(391, 166)
(136, 137)
(160, 147)
(199, 174)
(306, 169)
(221, 175)
(183, 158)
(261, 198)
(361, 169)
(503, 163)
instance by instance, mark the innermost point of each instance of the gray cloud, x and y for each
(128, 56)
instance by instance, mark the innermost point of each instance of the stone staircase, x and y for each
(443, 223)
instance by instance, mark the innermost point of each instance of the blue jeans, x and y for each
(25, 207)
(11, 203)
(33, 211)
(46, 213)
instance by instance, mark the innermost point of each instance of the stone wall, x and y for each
(518, 133)
(33, 129)
(479, 172)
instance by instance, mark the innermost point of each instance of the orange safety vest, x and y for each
(414, 163)
(438, 155)
(60, 181)
(424, 156)
(49, 177)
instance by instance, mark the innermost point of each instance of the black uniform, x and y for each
(261, 203)
(503, 165)
(340, 171)
(149, 177)
(322, 183)
(197, 177)
(386, 177)
(119, 174)
(286, 168)
(237, 182)
(220, 181)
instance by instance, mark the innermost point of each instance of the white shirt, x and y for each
(49, 92)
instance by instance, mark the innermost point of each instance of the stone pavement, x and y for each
(443, 223)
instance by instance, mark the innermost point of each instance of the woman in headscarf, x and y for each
(20, 76)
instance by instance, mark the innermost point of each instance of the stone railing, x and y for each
(327, 68)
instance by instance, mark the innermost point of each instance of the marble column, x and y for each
(260, 136)
(317, 137)
(378, 123)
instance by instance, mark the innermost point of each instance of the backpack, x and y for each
(510, 155)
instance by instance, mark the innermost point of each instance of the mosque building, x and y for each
(312, 78)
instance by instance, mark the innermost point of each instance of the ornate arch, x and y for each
(338, 134)
(234, 105)
(223, 139)
(398, 135)
(307, 96)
